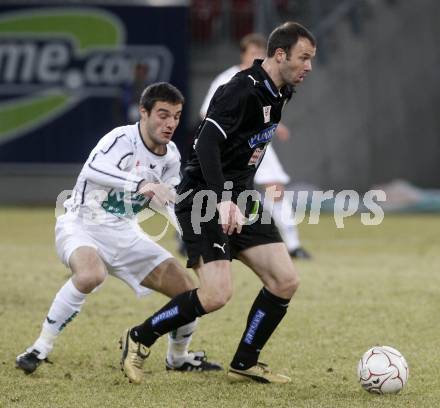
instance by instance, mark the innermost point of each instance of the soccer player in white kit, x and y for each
(270, 174)
(99, 233)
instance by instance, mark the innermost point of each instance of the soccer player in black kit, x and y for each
(229, 145)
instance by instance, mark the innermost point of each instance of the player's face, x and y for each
(252, 52)
(294, 68)
(160, 124)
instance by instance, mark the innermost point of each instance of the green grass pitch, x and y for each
(366, 286)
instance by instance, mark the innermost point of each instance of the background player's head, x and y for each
(160, 108)
(291, 46)
(252, 46)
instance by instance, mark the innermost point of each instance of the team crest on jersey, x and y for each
(256, 157)
(266, 113)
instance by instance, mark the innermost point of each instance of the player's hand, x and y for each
(231, 217)
(282, 132)
(161, 194)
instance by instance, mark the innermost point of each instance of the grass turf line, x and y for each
(365, 286)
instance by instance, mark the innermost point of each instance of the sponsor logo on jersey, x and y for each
(123, 203)
(262, 137)
(266, 113)
(52, 60)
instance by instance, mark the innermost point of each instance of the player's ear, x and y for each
(280, 55)
(142, 111)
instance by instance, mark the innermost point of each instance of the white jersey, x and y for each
(270, 169)
(109, 180)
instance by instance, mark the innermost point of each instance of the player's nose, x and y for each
(171, 124)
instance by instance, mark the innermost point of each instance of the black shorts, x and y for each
(212, 244)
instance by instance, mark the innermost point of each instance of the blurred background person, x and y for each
(132, 92)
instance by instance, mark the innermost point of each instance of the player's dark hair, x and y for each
(252, 39)
(286, 36)
(160, 92)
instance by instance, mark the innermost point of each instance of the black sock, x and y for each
(179, 311)
(265, 315)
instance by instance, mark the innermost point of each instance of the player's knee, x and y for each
(292, 284)
(216, 303)
(88, 280)
(216, 298)
(88, 269)
(285, 286)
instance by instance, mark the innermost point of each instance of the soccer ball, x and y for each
(382, 370)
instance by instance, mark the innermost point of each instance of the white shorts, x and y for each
(271, 170)
(128, 253)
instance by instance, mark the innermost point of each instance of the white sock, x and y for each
(283, 217)
(65, 306)
(178, 343)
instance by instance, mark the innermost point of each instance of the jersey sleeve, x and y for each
(108, 164)
(208, 150)
(228, 106)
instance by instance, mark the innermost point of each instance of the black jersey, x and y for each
(246, 110)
